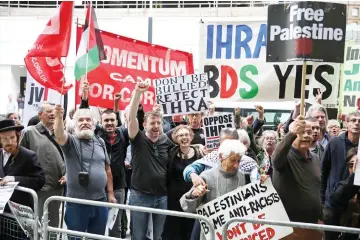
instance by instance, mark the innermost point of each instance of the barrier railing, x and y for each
(10, 228)
(322, 227)
(48, 230)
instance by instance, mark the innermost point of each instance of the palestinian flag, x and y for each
(91, 48)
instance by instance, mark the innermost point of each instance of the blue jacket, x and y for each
(333, 167)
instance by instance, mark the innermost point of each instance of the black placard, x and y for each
(306, 31)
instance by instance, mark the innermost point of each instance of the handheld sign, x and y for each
(183, 94)
(256, 200)
(306, 31)
(213, 126)
(357, 171)
(349, 83)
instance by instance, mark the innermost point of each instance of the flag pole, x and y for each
(61, 95)
(64, 70)
(88, 40)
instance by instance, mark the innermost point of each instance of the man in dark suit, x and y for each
(17, 164)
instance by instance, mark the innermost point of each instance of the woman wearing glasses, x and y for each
(346, 198)
(181, 156)
(268, 144)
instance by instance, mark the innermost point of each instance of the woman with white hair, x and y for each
(219, 180)
(333, 128)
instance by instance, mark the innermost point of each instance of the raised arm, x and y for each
(133, 127)
(260, 120)
(59, 130)
(85, 95)
(279, 157)
(117, 97)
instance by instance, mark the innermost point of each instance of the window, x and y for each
(355, 12)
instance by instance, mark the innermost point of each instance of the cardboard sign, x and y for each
(234, 56)
(311, 31)
(212, 128)
(255, 200)
(350, 86)
(183, 94)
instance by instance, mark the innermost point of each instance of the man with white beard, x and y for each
(88, 172)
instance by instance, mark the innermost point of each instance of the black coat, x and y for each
(26, 170)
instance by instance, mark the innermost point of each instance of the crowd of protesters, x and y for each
(156, 162)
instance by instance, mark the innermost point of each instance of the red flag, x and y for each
(43, 61)
(54, 41)
(48, 72)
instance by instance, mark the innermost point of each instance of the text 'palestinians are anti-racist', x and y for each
(238, 199)
(315, 31)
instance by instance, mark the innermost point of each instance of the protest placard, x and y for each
(255, 200)
(182, 94)
(35, 95)
(350, 82)
(305, 31)
(6, 192)
(234, 55)
(25, 217)
(212, 127)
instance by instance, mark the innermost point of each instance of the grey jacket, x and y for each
(51, 160)
(218, 182)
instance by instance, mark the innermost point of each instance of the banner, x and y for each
(129, 61)
(255, 200)
(35, 94)
(350, 88)
(212, 128)
(234, 56)
(183, 94)
(306, 31)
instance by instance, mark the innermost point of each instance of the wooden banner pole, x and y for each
(303, 84)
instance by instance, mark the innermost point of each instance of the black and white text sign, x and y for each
(183, 94)
(312, 31)
(213, 126)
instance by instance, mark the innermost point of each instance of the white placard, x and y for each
(357, 171)
(183, 94)
(255, 200)
(212, 127)
(35, 94)
(6, 192)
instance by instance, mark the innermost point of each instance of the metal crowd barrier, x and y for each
(10, 228)
(322, 227)
(52, 233)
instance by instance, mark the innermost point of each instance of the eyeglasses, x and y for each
(8, 139)
(183, 135)
(270, 139)
(354, 120)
